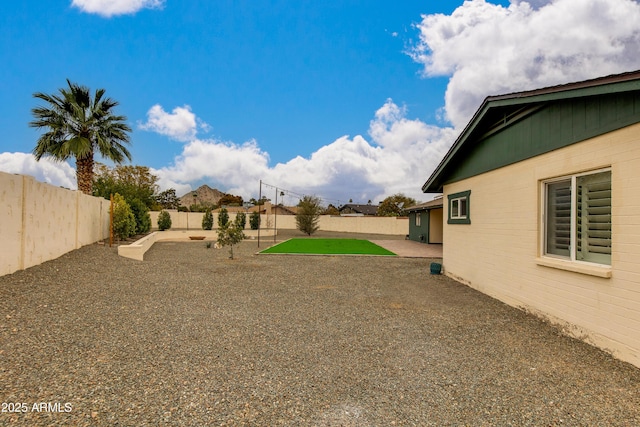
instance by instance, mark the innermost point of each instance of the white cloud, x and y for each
(181, 124)
(488, 49)
(108, 8)
(46, 170)
(535, 4)
(398, 159)
(485, 49)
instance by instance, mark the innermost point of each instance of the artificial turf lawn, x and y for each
(328, 247)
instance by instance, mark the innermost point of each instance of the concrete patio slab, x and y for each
(411, 249)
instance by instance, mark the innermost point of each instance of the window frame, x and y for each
(418, 218)
(459, 197)
(571, 258)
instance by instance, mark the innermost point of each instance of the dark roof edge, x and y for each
(431, 204)
(597, 82)
(521, 97)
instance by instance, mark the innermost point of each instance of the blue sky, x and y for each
(344, 99)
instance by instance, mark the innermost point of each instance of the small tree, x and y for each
(124, 223)
(241, 218)
(331, 210)
(164, 220)
(395, 205)
(258, 202)
(223, 217)
(168, 199)
(141, 214)
(230, 234)
(308, 214)
(131, 182)
(254, 220)
(230, 200)
(207, 220)
(202, 207)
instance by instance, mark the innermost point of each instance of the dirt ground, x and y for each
(188, 337)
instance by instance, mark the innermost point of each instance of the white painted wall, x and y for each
(499, 253)
(355, 224)
(40, 222)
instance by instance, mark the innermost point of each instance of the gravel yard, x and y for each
(191, 338)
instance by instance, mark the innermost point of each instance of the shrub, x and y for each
(254, 220)
(223, 217)
(241, 219)
(164, 220)
(308, 214)
(124, 223)
(141, 215)
(230, 234)
(207, 220)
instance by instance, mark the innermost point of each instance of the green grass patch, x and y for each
(328, 247)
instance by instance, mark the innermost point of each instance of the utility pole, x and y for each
(259, 215)
(275, 220)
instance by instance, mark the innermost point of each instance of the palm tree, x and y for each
(78, 126)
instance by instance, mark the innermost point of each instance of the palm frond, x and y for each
(78, 125)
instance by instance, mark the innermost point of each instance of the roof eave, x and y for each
(610, 84)
(428, 186)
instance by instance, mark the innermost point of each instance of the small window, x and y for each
(577, 217)
(459, 208)
(418, 218)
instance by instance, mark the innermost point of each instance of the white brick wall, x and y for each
(497, 252)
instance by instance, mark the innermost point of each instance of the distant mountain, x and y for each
(204, 194)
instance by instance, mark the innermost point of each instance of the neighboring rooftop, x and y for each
(431, 204)
(354, 208)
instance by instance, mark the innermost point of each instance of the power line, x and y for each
(296, 194)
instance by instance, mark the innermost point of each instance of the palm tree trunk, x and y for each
(84, 174)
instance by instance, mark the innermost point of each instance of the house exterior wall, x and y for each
(499, 252)
(430, 228)
(419, 233)
(41, 222)
(435, 226)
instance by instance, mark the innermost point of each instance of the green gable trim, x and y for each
(462, 195)
(579, 91)
(504, 135)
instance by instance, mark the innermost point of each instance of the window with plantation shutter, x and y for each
(593, 218)
(578, 217)
(559, 218)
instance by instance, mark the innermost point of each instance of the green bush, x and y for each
(308, 214)
(223, 218)
(254, 220)
(241, 219)
(164, 220)
(141, 214)
(124, 223)
(207, 220)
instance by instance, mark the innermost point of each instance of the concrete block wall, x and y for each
(500, 252)
(357, 224)
(41, 222)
